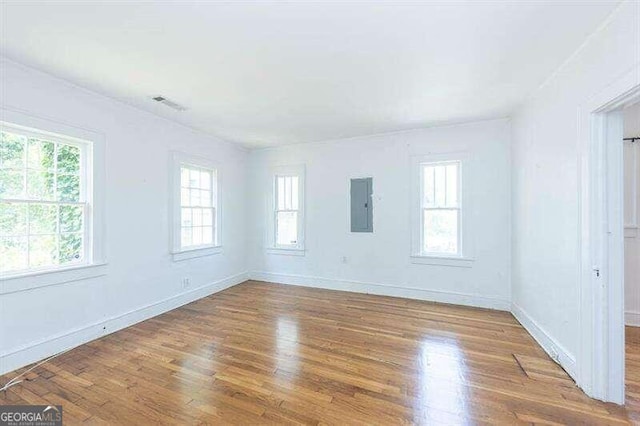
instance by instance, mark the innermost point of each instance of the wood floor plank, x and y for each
(261, 353)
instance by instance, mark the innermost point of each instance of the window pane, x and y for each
(205, 198)
(70, 248)
(13, 254)
(197, 236)
(184, 196)
(439, 179)
(71, 218)
(205, 180)
(280, 194)
(287, 193)
(43, 219)
(207, 235)
(195, 197)
(12, 150)
(185, 237)
(11, 184)
(428, 187)
(184, 177)
(197, 217)
(294, 193)
(13, 219)
(185, 217)
(43, 251)
(68, 188)
(207, 217)
(40, 154)
(452, 185)
(68, 159)
(287, 228)
(440, 231)
(40, 185)
(194, 178)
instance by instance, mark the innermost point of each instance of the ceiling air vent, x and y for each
(169, 103)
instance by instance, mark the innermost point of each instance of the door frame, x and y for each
(600, 369)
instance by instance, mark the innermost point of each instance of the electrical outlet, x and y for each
(186, 283)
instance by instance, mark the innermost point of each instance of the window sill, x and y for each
(36, 279)
(286, 251)
(193, 253)
(455, 261)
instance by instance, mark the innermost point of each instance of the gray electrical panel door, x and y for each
(361, 205)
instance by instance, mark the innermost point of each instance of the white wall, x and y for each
(379, 262)
(140, 272)
(545, 186)
(632, 209)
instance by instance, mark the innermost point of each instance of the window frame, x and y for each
(273, 247)
(94, 263)
(458, 208)
(85, 196)
(179, 253)
(464, 256)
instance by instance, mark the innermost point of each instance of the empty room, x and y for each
(319, 212)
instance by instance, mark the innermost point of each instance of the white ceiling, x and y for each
(273, 73)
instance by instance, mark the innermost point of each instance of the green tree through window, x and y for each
(42, 208)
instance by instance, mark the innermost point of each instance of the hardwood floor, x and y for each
(264, 353)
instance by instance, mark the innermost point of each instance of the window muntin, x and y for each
(440, 209)
(44, 202)
(198, 207)
(287, 212)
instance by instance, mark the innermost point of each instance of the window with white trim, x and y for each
(287, 211)
(198, 207)
(440, 208)
(45, 201)
(287, 224)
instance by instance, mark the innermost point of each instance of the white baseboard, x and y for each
(384, 290)
(632, 318)
(558, 353)
(30, 353)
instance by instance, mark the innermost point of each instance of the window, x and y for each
(286, 227)
(440, 233)
(196, 206)
(45, 201)
(287, 209)
(440, 210)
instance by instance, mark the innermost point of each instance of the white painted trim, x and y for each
(383, 290)
(632, 318)
(177, 159)
(298, 170)
(600, 357)
(93, 145)
(285, 252)
(31, 280)
(457, 262)
(465, 206)
(196, 252)
(550, 345)
(35, 351)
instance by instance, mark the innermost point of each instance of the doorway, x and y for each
(631, 184)
(601, 360)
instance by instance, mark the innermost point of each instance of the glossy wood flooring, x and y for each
(263, 353)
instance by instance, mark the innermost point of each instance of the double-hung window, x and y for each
(440, 209)
(440, 226)
(196, 207)
(45, 201)
(287, 225)
(287, 210)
